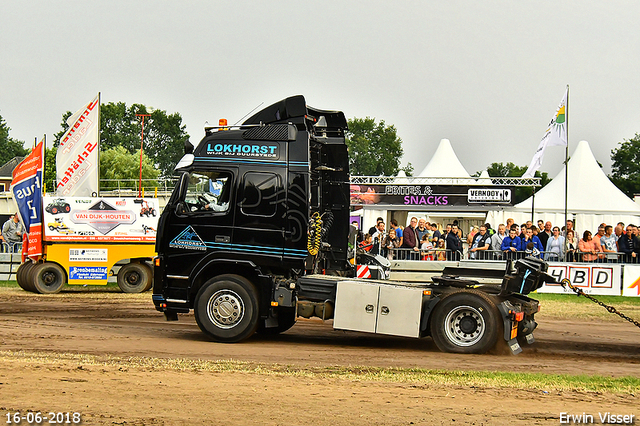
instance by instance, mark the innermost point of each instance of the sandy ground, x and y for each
(103, 325)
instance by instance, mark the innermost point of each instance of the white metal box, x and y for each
(378, 308)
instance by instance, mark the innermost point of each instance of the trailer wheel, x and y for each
(134, 278)
(226, 308)
(46, 278)
(466, 322)
(286, 320)
(22, 276)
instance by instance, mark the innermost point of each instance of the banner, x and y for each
(592, 278)
(631, 281)
(77, 167)
(431, 196)
(79, 219)
(556, 135)
(26, 188)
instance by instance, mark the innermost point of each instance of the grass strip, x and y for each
(415, 376)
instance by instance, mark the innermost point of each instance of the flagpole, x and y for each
(44, 162)
(98, 144)
(566, 163)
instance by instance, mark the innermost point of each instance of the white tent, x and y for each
(591, 200)
(445, 164)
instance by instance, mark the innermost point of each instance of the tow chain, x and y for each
(579, 292)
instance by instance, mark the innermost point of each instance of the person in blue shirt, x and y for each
(511, 244)
(529, 237)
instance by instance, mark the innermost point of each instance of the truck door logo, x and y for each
(188, 239)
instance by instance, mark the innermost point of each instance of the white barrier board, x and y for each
(631, 281)
(597, 278)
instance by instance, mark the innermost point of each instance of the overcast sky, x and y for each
(486, 75)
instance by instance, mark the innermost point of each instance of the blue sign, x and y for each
(88, 272)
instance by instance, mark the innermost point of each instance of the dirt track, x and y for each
(104, 324)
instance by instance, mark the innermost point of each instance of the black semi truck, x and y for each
(255, 235)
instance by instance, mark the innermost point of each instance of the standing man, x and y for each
(609, 244)
(423, 229)
(454, 243)
(629, 245)
(481, 242)
(410, 239)
(511, 244)
(12, 230)
(373, 229)
(496, 242)
(545, 233)
(436, 236)
(377, 238)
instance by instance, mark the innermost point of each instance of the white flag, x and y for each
(556, 135)
(77, 167)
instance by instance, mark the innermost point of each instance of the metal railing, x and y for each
(416, 180)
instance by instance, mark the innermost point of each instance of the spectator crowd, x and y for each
(421, 240)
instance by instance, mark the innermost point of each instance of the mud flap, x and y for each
(514, 346)
(510, 327)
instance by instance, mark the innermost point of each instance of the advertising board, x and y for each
(75, 219)
(597, 278)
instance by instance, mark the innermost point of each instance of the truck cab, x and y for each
(243, 204)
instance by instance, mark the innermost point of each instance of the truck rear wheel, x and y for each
(466, 322)
(46, 278)
(226, 308)
(134, 278)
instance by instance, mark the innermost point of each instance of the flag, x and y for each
(26, 188)
(556, 135)
(77, 167)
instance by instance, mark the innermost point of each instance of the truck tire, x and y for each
(134, 278)
(47, 278)
(466, 322)
(22, 276)
(286, 320)
(226, 308)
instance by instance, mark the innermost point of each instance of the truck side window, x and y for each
(259, 195)
(208, 191)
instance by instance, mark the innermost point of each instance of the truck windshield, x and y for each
(208, 191)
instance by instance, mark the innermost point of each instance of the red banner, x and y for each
(27, 193)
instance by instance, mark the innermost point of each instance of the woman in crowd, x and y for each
(589, 248)
(441, 250)
(570, 248)
(390, 243)
(555, 246)
(426, 248)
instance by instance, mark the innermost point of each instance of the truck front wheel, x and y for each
(466, 322)
(226, 308)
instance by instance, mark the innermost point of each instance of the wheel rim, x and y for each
(464, 326)
(132, 278)
(49, 278)
(225, 309)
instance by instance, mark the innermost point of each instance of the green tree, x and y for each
(9, 147)
(625, 166)
(119, 164)
(511, 170)
(374, 149)
(164, 134)
(50, 169)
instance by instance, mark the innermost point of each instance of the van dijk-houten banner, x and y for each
(77, 166)
(27, 192)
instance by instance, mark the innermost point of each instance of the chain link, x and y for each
(579, 292)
